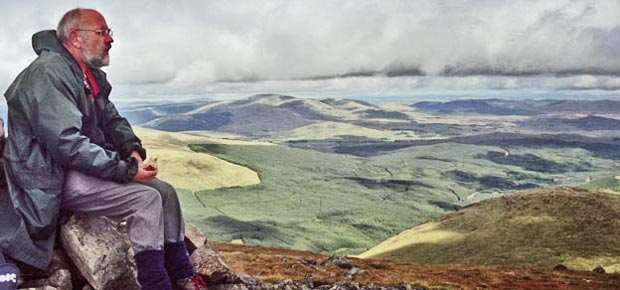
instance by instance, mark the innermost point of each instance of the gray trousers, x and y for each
(152, 210)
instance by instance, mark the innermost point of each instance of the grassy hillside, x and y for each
(186, 169)
(538, 227)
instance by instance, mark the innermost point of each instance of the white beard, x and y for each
(95, 60)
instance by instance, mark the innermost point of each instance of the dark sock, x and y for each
(151, 271)
(177, 262)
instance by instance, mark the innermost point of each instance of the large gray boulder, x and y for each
(100, 251)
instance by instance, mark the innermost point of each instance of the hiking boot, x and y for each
(190, 283)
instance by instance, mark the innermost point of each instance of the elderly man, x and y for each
(68, 148)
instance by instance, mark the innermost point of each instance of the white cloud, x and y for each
(196, 43)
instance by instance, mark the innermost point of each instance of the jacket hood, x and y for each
(47, 40)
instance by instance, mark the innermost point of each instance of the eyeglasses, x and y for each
(101, 32)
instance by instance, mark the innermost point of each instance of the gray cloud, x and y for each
(197, 43)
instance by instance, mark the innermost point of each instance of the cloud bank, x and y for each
(199, 43)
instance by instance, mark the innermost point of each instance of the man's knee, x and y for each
(148, 197)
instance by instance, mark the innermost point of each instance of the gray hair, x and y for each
(69, 21)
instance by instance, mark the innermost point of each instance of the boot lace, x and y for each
(199, 283)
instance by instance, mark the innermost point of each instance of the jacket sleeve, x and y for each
(56, 123)
(118, 130)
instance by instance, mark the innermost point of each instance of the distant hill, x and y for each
(261, 115)
(484, 107)
(539, 227)
(586, 123)
(140, 114)
(519, 107)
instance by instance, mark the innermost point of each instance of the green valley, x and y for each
(330, 202)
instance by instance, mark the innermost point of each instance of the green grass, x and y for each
(338, 203)
(603, 183)
(306, 200)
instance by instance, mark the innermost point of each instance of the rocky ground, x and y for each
(94, 253)
(288, 269)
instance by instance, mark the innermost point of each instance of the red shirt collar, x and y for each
(91, 84)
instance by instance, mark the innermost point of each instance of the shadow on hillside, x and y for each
(394, 184)
(208, 148)
(487, 181)
(532, 162)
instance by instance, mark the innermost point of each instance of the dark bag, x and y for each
(9, 275)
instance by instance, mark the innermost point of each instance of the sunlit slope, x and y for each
(326, 130)
(539, 227)
(186, 169)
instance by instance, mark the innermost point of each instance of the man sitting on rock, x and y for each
(69, 149)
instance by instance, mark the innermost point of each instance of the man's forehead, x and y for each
(93, 19)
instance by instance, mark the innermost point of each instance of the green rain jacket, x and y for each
(52, 127)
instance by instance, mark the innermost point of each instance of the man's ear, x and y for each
(74, 39)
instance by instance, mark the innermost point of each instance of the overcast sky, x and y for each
(198, 47)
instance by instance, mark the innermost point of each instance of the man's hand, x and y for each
(136, 155)
(145, 173)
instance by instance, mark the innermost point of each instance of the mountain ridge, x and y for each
(519, 107)
(260, 114)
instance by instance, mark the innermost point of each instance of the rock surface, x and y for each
(210, 264)
(339, 261)
(100, 251)
(194, 238)
(599, 269)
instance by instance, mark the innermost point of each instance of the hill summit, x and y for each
(540, 228)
